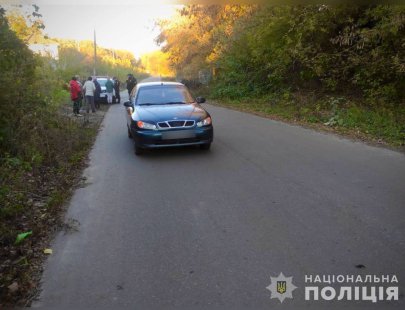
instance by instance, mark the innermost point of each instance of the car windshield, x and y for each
(163, 94)
(102, 81)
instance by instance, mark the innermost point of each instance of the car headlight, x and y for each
(205, 122)
(144, 125)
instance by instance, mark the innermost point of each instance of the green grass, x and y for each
(339, 114)
(388, 125)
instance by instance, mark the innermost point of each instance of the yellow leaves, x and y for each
(48, 251)
(28, 28)
(157, 63)
(194, 38)
(214, 55)
(79, 54)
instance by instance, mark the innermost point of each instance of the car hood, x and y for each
(160, 113)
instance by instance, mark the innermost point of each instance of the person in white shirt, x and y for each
(89, 88)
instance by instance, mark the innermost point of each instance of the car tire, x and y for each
(206, 146)
(138, 150)
(129, 133)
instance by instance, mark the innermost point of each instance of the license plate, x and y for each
(181, 134)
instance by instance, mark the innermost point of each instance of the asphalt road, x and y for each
(188, 229)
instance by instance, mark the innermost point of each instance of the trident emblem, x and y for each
(281, 287)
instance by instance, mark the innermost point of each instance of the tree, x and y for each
(157, 63)
(29, 28)
(193, 38)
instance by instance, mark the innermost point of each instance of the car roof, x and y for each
(146, 84)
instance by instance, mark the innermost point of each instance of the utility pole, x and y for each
(95, 53)
(115, 63)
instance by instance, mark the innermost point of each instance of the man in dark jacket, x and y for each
(117, 85)
(97, 93)
(131, 83)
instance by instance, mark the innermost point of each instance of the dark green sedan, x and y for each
(165, 114)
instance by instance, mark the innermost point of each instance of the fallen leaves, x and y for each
(48, 251)
(13, 287)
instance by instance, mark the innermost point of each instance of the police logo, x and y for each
(281, 287)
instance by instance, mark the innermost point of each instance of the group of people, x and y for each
(90, 91)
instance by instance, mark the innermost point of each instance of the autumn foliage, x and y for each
(340, 65)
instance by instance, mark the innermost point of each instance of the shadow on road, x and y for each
(173, 152)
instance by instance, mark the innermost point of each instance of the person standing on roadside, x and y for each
(89, 89)
(117, 85)
(81, 91)
(131, 83)
(97, 93)
(75, 95)
(109, 87)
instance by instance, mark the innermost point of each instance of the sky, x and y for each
(119, 24)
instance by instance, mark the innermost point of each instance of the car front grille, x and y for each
(176, 124)
(177, 141)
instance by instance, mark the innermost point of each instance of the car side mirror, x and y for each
(200, 99)
(128, 104)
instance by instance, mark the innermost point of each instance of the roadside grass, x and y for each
(33, 192)
(341, 115)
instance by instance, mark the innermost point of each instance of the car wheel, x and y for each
(129, 133)
(138, 150)
(206, 146)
